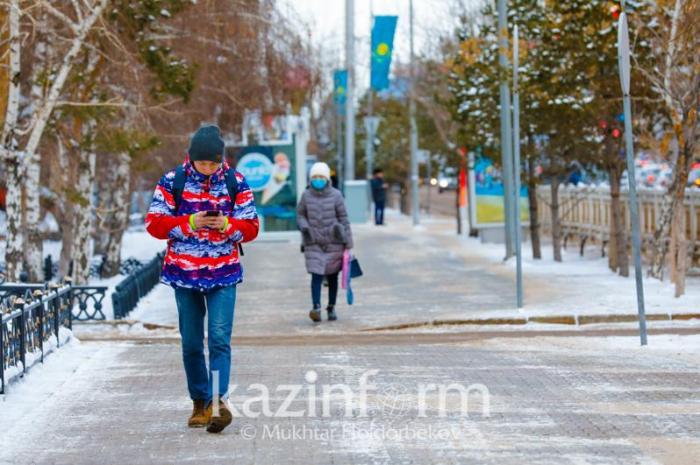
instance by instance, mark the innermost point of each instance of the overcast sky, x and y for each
(432, 18)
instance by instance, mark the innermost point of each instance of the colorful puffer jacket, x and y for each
(204, 258)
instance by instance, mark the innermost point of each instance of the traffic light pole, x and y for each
(624, 65)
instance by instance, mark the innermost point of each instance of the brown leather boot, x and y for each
(217, 423)
(200, 415)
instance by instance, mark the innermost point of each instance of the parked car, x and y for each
(446, 182)
(664, 179)
(694, 178)
(649, 174)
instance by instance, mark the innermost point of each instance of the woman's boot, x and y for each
(331, 313)
(315, 314)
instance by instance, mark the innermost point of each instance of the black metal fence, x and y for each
(32, 315)
(31, 320)
(137, 284)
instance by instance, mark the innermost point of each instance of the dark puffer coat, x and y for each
(323, 221)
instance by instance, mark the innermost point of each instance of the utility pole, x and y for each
(516, 171)
(370, 125)
(414, 130)
(623, 57)
(339, 142)
(430, 176)
(506, 139)
(350, 92)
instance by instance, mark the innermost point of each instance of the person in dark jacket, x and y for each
(326, 234)
(202, 264)
(378, 195)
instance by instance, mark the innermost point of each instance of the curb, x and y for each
(571, 320)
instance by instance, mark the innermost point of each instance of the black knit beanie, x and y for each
(206, 144)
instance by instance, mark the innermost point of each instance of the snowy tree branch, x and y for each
(63, 18)
(66, 65)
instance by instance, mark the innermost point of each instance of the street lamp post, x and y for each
(349, 170)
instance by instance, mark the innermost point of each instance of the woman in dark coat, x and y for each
(326, 234)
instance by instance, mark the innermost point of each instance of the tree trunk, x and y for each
(556, 221)
(83, 215)
(34, 244)
(672, 202)
(534, 218)
(618, 234)
(678, 251)
(120, 218)
(65, 206)
(10, 155)
(13, 204)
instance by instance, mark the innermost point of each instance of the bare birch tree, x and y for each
(20, 144)
(675, 77)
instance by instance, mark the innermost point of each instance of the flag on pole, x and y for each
(382, 48)
(340, 86)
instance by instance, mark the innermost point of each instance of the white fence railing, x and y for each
(585, 212)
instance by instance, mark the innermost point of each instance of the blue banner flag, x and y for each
(340, 86)
(382, 47)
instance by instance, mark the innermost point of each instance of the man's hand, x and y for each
(201, 220)
(218, 222)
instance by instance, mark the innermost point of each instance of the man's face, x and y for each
(380, 175)
(206, 167)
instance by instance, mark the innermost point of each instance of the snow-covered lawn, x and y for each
(579, 285)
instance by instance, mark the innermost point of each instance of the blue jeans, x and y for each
(317, 282)
(192, 305)
(379, 212)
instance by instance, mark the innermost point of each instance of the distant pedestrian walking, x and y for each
(378, 195)
(204, 209)
(326, 234)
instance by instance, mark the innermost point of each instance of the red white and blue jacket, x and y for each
(204, 258)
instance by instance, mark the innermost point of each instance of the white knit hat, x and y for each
(320, 169)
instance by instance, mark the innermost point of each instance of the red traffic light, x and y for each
(615, 10)
(616, 133)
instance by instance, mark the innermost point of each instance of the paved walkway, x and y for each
(552, 400)
(127, 404)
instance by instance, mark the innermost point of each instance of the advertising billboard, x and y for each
(270, 171)
(486, 192)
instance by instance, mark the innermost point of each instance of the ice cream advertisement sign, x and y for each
(257, 169)
(269, 171)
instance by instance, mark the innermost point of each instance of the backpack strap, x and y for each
(232, 188)
(179, 186)
(231, 185)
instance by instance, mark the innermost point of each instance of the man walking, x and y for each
(378, 195)
(204, 209)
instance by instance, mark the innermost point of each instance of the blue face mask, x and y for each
(318, 184)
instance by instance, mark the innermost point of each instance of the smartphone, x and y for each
(213, 213)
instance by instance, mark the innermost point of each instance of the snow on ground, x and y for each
(139, 244)
(588, 286)
(43, 380)
(580, 285)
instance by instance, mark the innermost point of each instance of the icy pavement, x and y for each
(580, 402)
